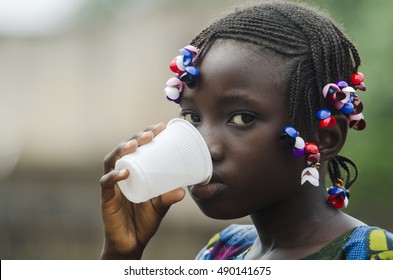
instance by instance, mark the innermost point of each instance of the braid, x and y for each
(319, 53)
(345, 163)
(334, 171)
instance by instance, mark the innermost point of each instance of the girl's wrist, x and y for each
(110, 254)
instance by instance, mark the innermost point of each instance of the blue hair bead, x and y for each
(323, 114)
(192, 71)
(187, 56)
(342, 84)
(336, 190)
(347, 108)
(352, 97)
(290, 131)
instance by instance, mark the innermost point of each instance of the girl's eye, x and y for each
(242, 119)
(191, 117)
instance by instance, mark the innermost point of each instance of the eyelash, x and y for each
(190, 117)
(193, 118)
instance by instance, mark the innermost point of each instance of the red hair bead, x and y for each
(311, 148)
(176, 65)
(313, 158)
(357, 78)
(338, 196)
(336, 200)
(328, 122)
(312, 153)
(325, 118)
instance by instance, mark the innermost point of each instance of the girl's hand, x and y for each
(128, 226)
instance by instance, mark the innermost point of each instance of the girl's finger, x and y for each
(162, 203)
(150, 133)
(158, 128)
(121, 150)
(145, 138)
(130, 146)
(109, 180)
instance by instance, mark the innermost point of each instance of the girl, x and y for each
(273, 89)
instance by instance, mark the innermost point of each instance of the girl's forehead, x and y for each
(232, 72)
(242, 62)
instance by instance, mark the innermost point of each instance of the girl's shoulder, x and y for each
(231, 243)
(369, 242)
(361, 243)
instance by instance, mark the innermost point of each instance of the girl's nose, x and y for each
(214, 141)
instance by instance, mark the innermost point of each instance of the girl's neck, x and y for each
(288, 234)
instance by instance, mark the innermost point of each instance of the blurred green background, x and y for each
(79, 76)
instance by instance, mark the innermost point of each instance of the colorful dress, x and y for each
(360, 243)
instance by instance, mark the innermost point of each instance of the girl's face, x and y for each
(239, 105)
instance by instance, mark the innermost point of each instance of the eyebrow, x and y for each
(230, 99)
(237, 99)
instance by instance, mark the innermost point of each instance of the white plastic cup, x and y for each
(176, 157)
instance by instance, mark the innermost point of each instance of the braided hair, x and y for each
(320, 53)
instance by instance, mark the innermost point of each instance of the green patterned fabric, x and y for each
(360, 243)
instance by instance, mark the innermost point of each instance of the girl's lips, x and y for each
(210, 190)
(202, 192)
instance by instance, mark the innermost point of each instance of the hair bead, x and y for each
(357, 78)
(181, 65)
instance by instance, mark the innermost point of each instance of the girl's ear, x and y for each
(330, 140)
